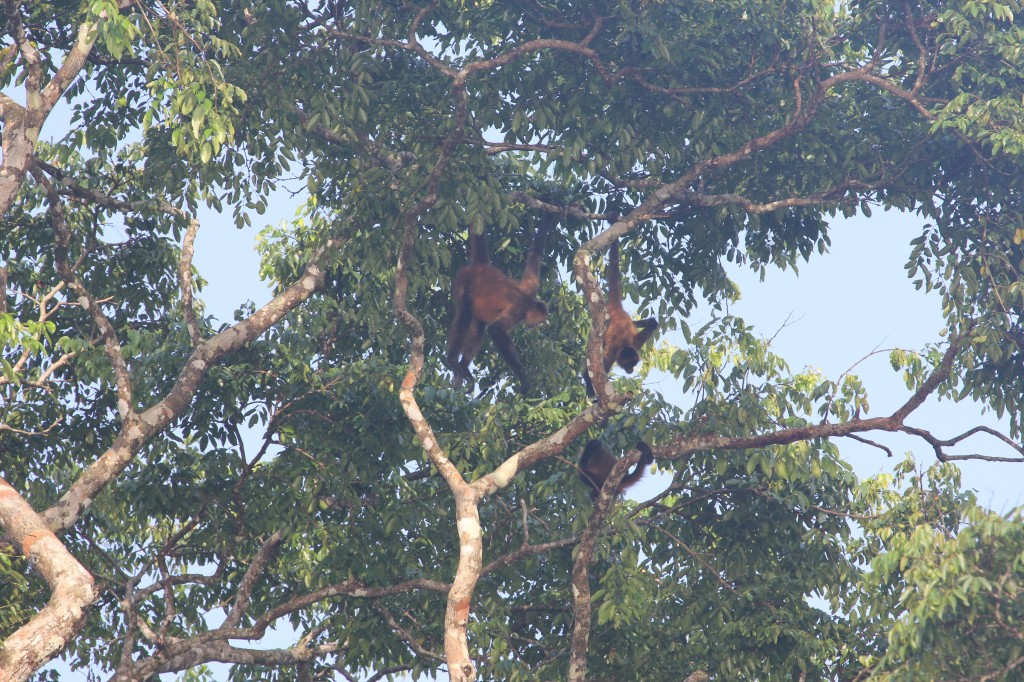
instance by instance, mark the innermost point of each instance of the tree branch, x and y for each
(185, 282)
(177, 654)
(252, 574)
(71, 590)
(111, 344)
(694, 442)
(22, 125)
(580, 579)
(138, 429)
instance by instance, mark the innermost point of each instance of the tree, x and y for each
(173, 485)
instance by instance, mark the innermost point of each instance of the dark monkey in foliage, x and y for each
(624, 336)
(487, 298)
(597, 461)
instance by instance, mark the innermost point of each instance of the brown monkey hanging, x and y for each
(487, 298)
(624, 336)
(597, 461)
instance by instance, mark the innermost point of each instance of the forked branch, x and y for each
(71, 590)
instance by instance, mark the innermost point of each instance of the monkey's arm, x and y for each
(647, 328)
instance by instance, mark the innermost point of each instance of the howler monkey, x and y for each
(487, 298)
(624, 336)
(597, 461)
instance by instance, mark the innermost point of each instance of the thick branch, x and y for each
(467, 514)
(22, 125)
(178, 654)
(71, 587)
(252, 574)
(224, 652)
(553, 445)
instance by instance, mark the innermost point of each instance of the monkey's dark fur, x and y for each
(624, 336)
(487, 298)
(597, 461)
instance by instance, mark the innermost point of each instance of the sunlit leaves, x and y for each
(117, 32)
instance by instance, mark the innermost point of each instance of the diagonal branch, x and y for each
(688, 444)
(407, 636)
(23, 124)
(139, 428)
(252, 574)
(111, 344)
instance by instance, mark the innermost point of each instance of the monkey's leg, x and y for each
(457, 335)
(470, 348)
(507, 348)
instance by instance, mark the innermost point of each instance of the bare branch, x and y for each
(45, 313)
(111, 344)
(697, 557)
(407, 636)
(131, 618)
(938, 444)
(526, 550)
(384, 672)
(702, 441)
(178, 654)
(73, 187)
(466, 498)
(225, 652)
(500, 147)
(887, 451)
(563, 210)
(170, 609)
